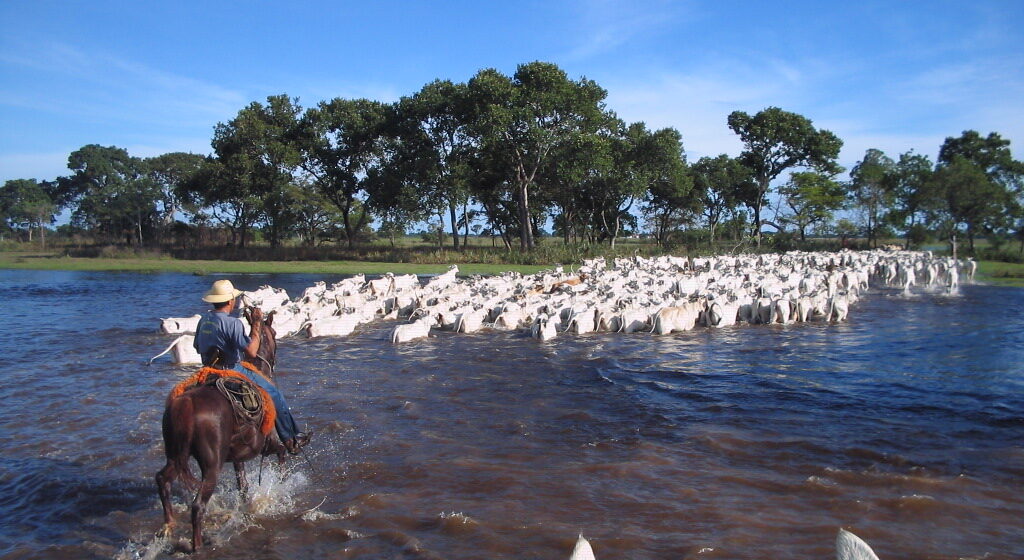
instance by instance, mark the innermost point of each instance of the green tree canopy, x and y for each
(109, 192)
(25, 204)
(526, 117)
(869, 192)
(774, 141)
(172, 172)
(970, 200)
(907, 183)
(436, 148)
(665, 179)
(811, 198)
(343, 143)
(259, 160)
(722, 182)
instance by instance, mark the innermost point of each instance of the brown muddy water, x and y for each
(904, 425)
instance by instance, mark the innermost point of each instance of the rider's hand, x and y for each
(255, 316)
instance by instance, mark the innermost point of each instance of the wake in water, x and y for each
(271, 494)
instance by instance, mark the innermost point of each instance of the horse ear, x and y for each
(269, 321)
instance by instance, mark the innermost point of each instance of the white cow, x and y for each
(582, 550)
(442, 281)
(543, 328)
(420, 328)
(851, 547)
(338, 325)
(678, 318)
(470, 321)
(721, 314)
(182, 351)
(509, 317)
(838, 308)
(782, 310)
(179, 325)
(634, 320)
(405, 282)
(382, 286)
(583, 321)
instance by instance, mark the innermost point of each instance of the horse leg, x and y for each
(206, 487)
(243, 483)
(164, 478)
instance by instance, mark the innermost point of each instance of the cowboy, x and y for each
(221, 341)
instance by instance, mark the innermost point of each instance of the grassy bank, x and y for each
(53, 261)
(993, 272)
(1001, 273)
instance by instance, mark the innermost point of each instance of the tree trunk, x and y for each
(757, 224)
(525, 230)
(455, 225)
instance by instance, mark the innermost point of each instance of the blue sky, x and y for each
(156, 77)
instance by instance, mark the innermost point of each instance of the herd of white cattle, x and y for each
(848, 547)
(657, 295)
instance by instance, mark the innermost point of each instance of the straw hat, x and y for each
(222, 290)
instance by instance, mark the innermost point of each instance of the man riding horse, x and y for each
(221, 342)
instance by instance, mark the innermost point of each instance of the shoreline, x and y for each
(47, 261)
(989, 272)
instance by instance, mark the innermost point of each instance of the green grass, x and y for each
(52, 261)
(1001, 273)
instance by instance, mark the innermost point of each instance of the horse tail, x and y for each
(179, 429)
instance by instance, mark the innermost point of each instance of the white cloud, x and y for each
(605, 25)
(66, 80)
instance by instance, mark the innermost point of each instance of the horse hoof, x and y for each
(165, 532)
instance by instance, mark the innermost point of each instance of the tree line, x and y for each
(504, 155)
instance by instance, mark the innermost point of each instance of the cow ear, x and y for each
(269, 321)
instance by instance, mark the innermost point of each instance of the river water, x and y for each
(904, 424)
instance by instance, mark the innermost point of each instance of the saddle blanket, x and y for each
(208, 375)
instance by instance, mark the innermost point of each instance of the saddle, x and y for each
(250, 402)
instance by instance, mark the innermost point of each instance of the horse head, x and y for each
(267, 353)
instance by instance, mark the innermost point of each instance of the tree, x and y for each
(812, 199)
(774, 141)
(228, 201)
(343, 142)
(978, 182)
(845, 229)
(110, 192)
(721, 182)
(973, 202)
(869, 192)
(663, 177)
(906, 182)
(990, 154)
(436, 146)
(171, 172)
(526, 117)
(24, 203)
(259, 155)
(314, 214)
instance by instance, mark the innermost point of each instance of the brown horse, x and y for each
(201, 423)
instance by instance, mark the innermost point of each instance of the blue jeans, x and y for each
(285, 423)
